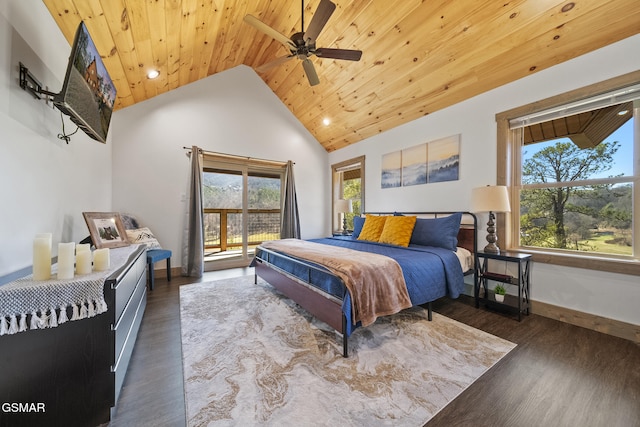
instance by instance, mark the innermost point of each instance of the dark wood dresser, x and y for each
(71, 375)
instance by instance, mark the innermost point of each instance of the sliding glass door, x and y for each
(241, 210)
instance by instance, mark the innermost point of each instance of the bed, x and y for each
(433, 261)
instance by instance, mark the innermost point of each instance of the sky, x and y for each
(623, 157)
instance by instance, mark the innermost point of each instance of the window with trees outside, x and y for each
(574, 172)
(348, 183)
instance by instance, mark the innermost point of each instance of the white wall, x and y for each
(610, 295)
(232, 112)
(45, 184)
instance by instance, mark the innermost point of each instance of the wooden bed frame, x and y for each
(328, 308)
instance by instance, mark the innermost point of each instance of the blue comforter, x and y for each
(429, 272)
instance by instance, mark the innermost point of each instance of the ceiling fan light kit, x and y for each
(302, 45)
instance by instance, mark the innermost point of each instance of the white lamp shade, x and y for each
(490, 199)
(343, 205)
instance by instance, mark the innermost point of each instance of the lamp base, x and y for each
(345, 232)
(492, 238)
(491, 248)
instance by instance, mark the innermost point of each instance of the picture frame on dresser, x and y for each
(106, 229)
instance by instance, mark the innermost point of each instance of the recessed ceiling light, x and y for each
(153, 74)
(623, 112)
(326, 121)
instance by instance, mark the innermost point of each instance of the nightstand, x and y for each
(522, 280)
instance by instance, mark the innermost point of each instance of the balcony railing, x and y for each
(223, 228)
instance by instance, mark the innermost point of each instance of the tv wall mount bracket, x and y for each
(29, 83)
(32, 85)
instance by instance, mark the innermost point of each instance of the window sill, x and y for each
(591, 262)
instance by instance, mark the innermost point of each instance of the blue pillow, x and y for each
(358, 222)
(439, 232)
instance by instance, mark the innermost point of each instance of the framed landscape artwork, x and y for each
(431, 162)
(106, 229)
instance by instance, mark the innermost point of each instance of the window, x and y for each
(348, 183)
(573, 169)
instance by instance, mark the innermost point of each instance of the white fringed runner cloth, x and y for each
(45, 302)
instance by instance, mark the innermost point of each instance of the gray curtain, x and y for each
(193, 238)
(290, 226)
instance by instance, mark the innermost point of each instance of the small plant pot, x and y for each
(499, 298)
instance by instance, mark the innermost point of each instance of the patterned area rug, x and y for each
(253, 357)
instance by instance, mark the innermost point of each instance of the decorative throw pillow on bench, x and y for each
(143, 236)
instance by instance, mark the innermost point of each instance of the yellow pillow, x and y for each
(397, 230)
(372, 227)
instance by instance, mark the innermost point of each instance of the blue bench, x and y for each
(155, 255)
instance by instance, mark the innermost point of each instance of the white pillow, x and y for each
(143, 236)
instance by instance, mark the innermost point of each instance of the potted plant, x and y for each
(500, 292)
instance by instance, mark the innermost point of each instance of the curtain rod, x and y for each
(234, 156)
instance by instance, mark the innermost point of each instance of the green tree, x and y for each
(545, 209)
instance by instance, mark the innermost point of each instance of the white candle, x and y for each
(42, 256)
(66, 260)
(81, 247)
(83, 259)
(101, 259)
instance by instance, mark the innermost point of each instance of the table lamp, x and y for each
(492, 198)
(344, 206)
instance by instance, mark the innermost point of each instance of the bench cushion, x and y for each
(155, 255)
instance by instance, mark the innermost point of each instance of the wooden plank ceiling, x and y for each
(418, 56)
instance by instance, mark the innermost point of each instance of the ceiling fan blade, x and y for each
(319, 20)
(310, 71)
(349, 55)
(258, 24)
(271, 64)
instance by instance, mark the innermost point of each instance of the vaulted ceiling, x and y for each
(419, 56)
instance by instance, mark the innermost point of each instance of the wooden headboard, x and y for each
(467, 236)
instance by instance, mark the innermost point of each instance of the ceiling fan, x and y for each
(303, 44)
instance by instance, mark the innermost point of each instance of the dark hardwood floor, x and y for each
(558, 375)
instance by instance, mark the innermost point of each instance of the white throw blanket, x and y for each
(46, 301)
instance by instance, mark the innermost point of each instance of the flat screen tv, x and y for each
(88, 94)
